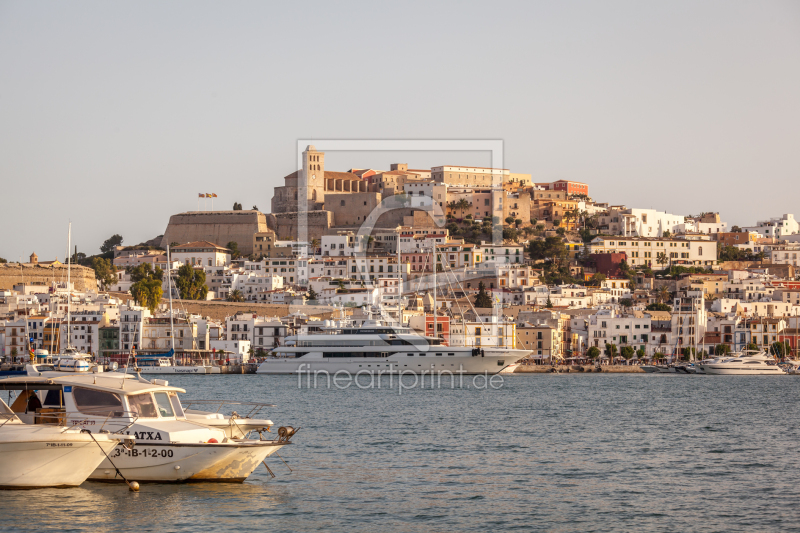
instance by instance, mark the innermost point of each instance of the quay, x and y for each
(577, 369)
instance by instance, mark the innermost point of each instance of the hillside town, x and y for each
(474, 256)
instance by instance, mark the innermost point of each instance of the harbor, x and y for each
(583, 450)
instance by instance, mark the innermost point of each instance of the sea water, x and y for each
(540, 452)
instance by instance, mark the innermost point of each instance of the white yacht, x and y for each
(377, 348)
(748, 362)
(165, 364)
(170, 446)
(40, 455)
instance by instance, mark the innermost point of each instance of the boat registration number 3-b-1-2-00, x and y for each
(141, 452)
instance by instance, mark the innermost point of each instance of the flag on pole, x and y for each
(201, 195)
(213, 195)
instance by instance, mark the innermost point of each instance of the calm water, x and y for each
(545, 452)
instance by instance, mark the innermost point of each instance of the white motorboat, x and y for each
(748, 362)
(171, 447)
(235, 425)
(376, 348)
(165, 365)
(43, 455)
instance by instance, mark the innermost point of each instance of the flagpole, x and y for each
(198, 202)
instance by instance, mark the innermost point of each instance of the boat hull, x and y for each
(734, 371)
(50, 464)
(492, 362)
(230, 462)
(177, 370)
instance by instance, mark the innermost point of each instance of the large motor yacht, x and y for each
(377, 348)
(748, 362)
(171, 445)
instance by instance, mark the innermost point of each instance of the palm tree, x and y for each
(662, 258)
(236, 296)
(663, 294)
(462, 205)
(314, 244)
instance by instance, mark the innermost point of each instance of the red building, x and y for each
(790, 336)
(608, 264)
(571, 187)
(442, 328)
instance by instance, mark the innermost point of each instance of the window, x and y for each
(164, 404)
(142, 405)
(98, 403)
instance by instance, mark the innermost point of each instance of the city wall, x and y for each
(219, 227)
(10, 275)
(220, 310)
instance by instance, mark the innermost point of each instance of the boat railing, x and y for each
(249, 409)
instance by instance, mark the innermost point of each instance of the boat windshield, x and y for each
(164, 405)
(142, 405)
(176, 405)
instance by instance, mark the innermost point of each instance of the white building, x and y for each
(776, 227)
(201, 254)
(237, 352)
(645, 251)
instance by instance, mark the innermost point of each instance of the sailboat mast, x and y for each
(25, 301)
(69, 291)
(434, 288)
(169, 289)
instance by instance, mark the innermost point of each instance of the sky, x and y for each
(115, 115)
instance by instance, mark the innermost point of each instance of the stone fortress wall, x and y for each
(10, 275)
(219, 227)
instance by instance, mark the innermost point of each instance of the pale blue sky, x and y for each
(116, 115)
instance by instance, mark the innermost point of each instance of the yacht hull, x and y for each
(177, 370)
(733, 371)
(492, 362)
(230, 462)
(50, 464)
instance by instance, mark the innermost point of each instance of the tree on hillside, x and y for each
(3, 260)
(626, 302)
(463, 204)
(667, 234)
(312, 295)
(549, 303)
(658, 307)
(663, 295)
(593, 352)
(551, 248)
(235, 296)
(191, 283)
(662, 258)
(145, 271)
(104, 271)
(237, 206)
(483, 299)
(736, 229)
(146, 289)
(597, 279)
(233, 246)
(640, 353)
(509, 220)
(110, 243)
